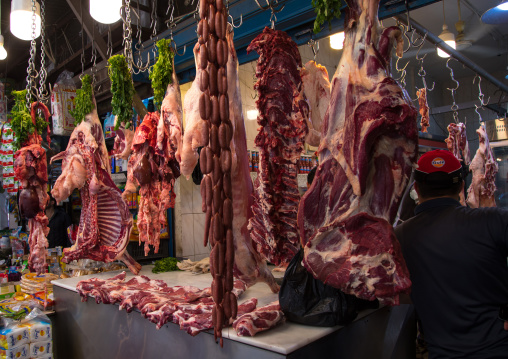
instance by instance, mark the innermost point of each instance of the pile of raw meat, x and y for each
(283, 116)
(30, 168)
(105, 222)
(188, 306)
(367, 152)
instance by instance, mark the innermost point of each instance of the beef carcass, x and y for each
(105, 222)
(196, 130)
(30, 168)
(283, 113)
(122, 148)
(316, 87)
(249, 266)
(424, 108)
(259, 320)
(367, 152)
(155, 175)
(484, 167)
(457, 141)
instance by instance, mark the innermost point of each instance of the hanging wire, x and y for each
(32, 75)
(454, 106)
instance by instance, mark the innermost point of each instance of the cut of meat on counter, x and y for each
(283, 116)
(424, 108)
(484, 167)
(105, 221)
(316, 87)
(30, 168)
(187, 306)
(123, 143)
(457, 142)
(458, 145)
(196, 130)
(249, 266)
(155, 175)
(259, 320)
(367, 153)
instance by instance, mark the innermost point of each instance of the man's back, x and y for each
(457, 258)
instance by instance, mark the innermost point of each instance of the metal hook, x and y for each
(402, 70)
(451, 74)
(176, 49)
(272, 5)
(314, 45)
(454, 106)
(232, 23)
(481, 96)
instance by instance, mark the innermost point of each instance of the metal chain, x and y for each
(82, 40)
(109, 52)
(127, 35)
(43, 91)
(153, 17)
(94, 58)
(31, 76)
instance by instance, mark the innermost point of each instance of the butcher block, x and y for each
(90, 330)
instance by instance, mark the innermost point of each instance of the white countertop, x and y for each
(283, 339)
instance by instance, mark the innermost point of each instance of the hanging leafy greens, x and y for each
(160, 76)
(21, 121)
(326, 10)
(83, 103)
(122, 90)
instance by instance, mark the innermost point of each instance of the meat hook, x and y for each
(314, 46)
(275, 6)
(421, 72)
(232, 23)
(481, 96)
(454, 106)
(402, 70)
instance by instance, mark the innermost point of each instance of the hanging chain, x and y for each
(109, 52)
(82, 41)
(454, 106)
(43, 90)
(31, 76)
(153, 17)
(94, 58)
(127, 35)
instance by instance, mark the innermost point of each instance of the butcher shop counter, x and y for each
(89, 330)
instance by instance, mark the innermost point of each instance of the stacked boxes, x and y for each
(7, 160)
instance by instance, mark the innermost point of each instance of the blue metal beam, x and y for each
(297, 19)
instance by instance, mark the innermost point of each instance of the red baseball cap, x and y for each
(438, 161)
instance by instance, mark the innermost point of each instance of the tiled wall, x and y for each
(189, 220)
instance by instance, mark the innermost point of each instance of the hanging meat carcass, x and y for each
(316, 87)
(196, 130)
(249, 266)
(105, 222)
(155, 175)
(368, 149)
(458, 145)
(484, 167)
(283, 113)
(424, 108)
(30, 168)
(123, 143)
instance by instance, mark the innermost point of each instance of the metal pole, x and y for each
(432, 38)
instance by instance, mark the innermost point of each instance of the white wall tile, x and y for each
(188, 247)
(186, 195)
(199, 232)
(196, 198)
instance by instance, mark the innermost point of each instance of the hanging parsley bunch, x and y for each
(325, 10)
(162, 72)
(21, 121)
(122, 90)
(83, 103)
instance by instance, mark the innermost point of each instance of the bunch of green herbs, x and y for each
(21, 121)
(162, 72)
(325, 10)
(122, 90)
(165, 265)
(83, 103)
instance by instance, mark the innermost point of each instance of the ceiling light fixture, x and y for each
(337, 41)
(21, 19)
(447, 36)
(105, 12)
(496, 15)
(3, 53)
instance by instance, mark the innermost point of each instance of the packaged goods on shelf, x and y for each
(21, 352)
(39, 330)
(62, 103)
(13, 337)
(41, 349)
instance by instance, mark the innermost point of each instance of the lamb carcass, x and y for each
(368, 149)
(196, 130)
(30, 168)
(283, 114)
(316, 87)
(458, 145)
(249, 266)
(105, 222)
(424, 108)
(484, 167)
(153, 173)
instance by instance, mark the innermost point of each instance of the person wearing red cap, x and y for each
(457, 259)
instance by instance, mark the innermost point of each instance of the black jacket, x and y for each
(58, 225)
(457, 259)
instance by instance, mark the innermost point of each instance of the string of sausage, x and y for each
(215, 158)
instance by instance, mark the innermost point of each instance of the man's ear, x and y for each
(415, 185)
